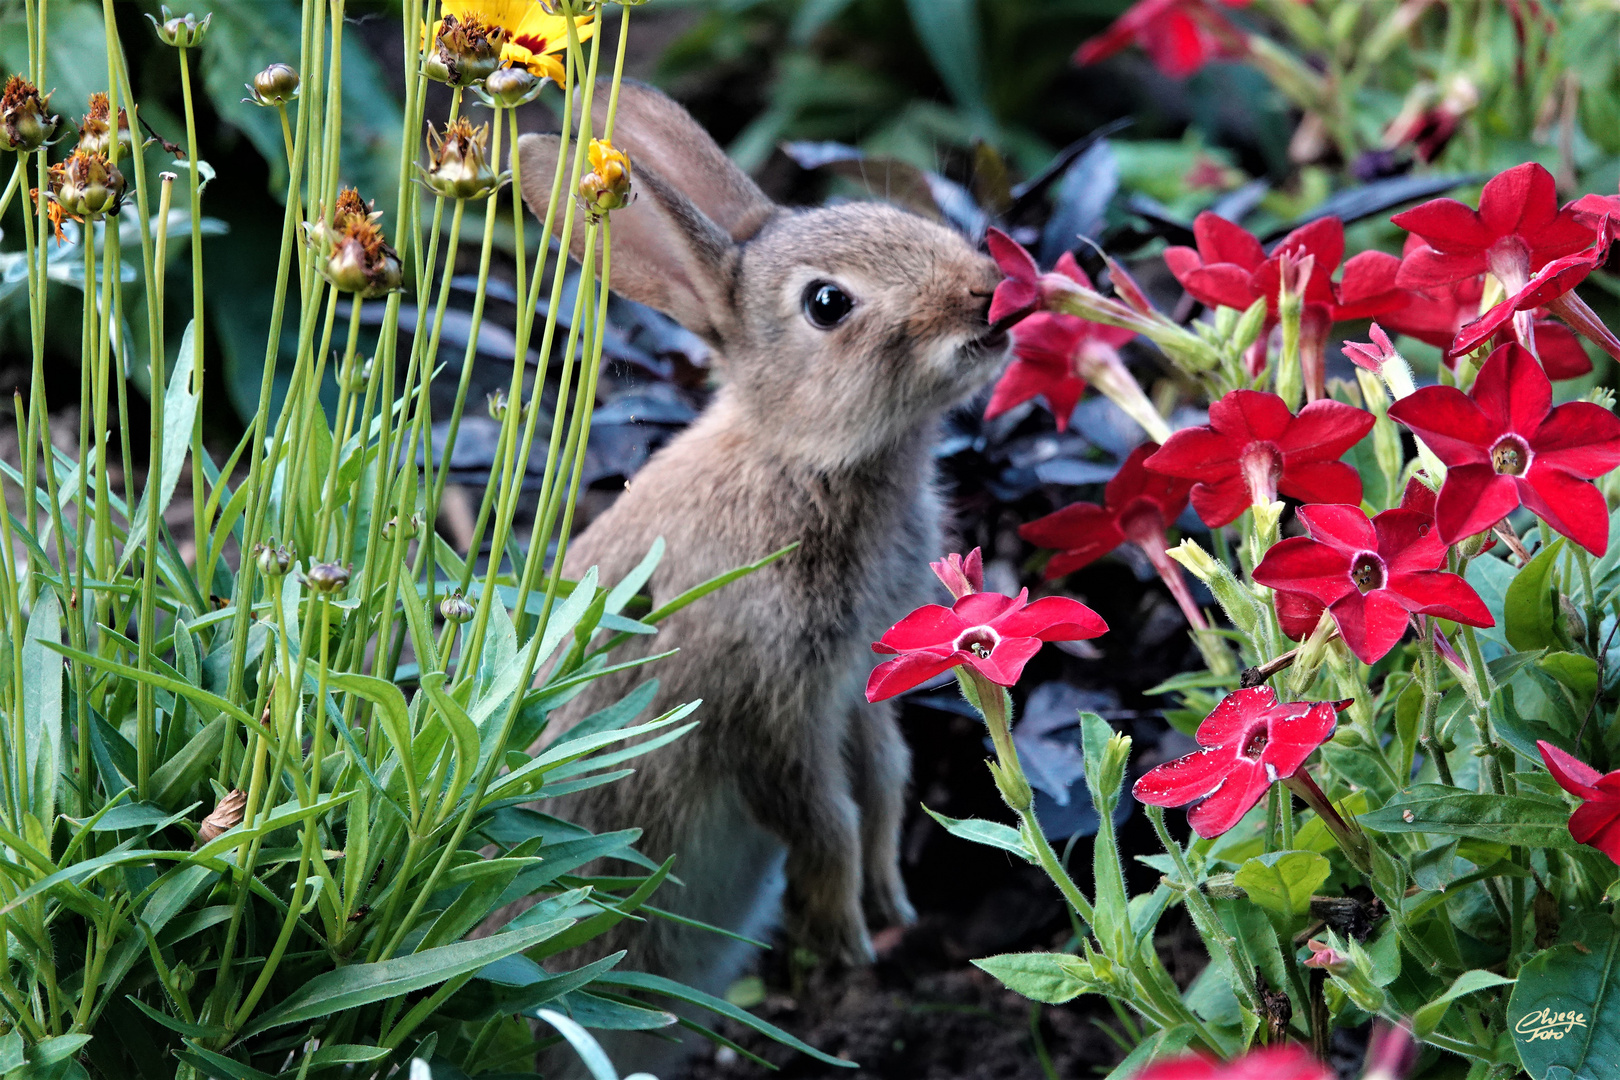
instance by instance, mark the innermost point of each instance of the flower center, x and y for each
(1255, 744)
(1509, 260)
(981, 641)
(1262, 464)
(1142, 522)
(1510, 456)
(1367, 571)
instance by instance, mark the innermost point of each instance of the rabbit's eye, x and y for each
(826, 305)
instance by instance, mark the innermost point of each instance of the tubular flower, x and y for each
(1138, 507)
(26, 122)
(961, 574)
(1597, 822)
(95, 131)
(607, 186)
(1506, 445)
(995, 635)
(1229, 268)
(526, 34)
(1550, 287)
(1254, 449)
(1054, 355)
(1517, 230)
(1372, 575)
(458, 169)
(1025, 288)
(1180, 36)
(1249, 743)
(87, 185)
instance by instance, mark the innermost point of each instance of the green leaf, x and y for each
(631, 583)
(950, 34)
(590, 1052)
(1565, 1011)
(1282, 881)
(395, 716)
(362, 984)
(1504, 819)
(462, 732)
(657, 984)
(42, 704)
(1050, 977)
(1530, 610)
(193, 694)
(209, 1063)
(1162, 1043)
(179, 414)
(605, 1014)
(1426, 1019)
(991, 833)
(175, 778)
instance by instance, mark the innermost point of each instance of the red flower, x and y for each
(1285, 1061)
(1438, 317)
(1597, 821)
(1505, 444)
(1025, 287)
(1325, 956)
(1231, 269)
(1372, 575)
(1551, 287)
(1249, 742)
(1054, 354)
(1181, 36)
(1138, 506)
(1517, 229)
(1254, 448)
(994, 634)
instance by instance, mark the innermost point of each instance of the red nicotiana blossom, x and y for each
(1505, 445)
(1550, 287)
(994, 634)
(1517, 230)
(1025, 288)
(1372, 575)
(1325, 956)
(1438, 317)
(1180, 36)
(1597, 821)
(1229, 268)
(1285, 1061)
(1138, 507)
(1255, 449)
(1055, 355)
(1249, 743)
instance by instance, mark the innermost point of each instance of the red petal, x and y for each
(1436, 592)
(1449, 422)
(1512, 390)
(1447, 225)
(1236, 714)
(1011, 297)
(1418, 497)
(1561, 351)
(1428, 270)
(1580, 438)
(1177, 44)
(1323, 239)
(1223, 285)
(1052, 618)
(1598, 824)
(1473, 499)
(1324, 430)
(1184, 780)
(1245, 415)
(1244, 787)
(1021, 381)
(1368, 287)
(1071, 270)
(1482, 328)
(930, 626)
(983, 608)
(1136, 481)
(1222, 502)
(1573, 775)
(904, 672)
(1294, 736)
(1320, 482)
(1370, 624)
(1198, 453)
(1221, 241)
(1570, 505)
(1006, 661)
(1341, 526)
(1408, 540)
(1016, 263)
(1181, 261)
(1297, 613)
(1080, 532)
(1521, 199)
(1301, 565)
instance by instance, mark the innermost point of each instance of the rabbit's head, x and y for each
(841, 330)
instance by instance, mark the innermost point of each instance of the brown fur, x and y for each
(816, 437)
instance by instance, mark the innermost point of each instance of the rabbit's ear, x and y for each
(667, 253)
(662, 136)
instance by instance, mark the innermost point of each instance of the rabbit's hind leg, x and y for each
(880, 768)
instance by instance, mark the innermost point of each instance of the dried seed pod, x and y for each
(227, 815)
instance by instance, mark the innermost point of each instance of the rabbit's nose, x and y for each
(981, 304)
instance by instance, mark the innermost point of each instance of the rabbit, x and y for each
(841, 335)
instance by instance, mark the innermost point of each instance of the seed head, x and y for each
(26, 122)
(87, 185)
(360, 261)
(95, 131)
(464, 51)
(275, 85)
(459, 169)
(274, 560)
(327, 577)
(509, 87)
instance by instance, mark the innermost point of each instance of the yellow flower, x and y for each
(533, 36)
(607, 186)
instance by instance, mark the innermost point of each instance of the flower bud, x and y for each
(497, 405)
(455, 608)
(1247, 330)
(275, 85)
(274, 560)
(509, 87)
(607, 186)
(961, 574)
(87, 185)
(463, 51)
(1326, 957)
(327, 577)
(458, 169)
(95, 132)
(26, 122)
(1238, 603)
(181, 31)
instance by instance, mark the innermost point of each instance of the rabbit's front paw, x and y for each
(839, 937)
(886, 902)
